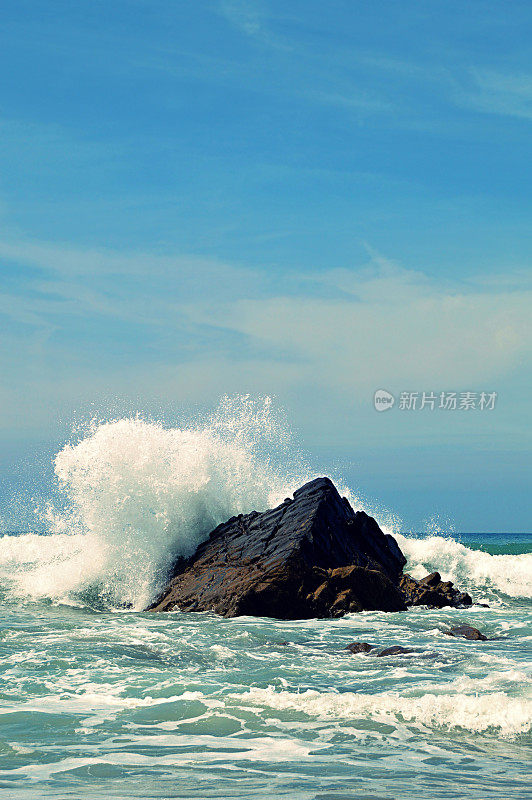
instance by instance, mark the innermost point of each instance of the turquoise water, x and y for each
(497, 543)
(109, 704)
(97, 702)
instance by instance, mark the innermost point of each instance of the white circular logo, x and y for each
(383, 400)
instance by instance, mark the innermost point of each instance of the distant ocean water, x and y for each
(101, 700)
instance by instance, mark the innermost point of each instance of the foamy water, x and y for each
(138, 493)
(480, 571)
(493, 711)
(99, 704)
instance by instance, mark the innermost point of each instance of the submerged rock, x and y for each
(466, 632)
(432, 591)
(312, 556)
(359, 647)
(396, 650)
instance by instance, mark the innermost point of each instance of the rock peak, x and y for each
(316, 485)
(310, 557)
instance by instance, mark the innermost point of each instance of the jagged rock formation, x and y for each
(432, 591)
(312, 556)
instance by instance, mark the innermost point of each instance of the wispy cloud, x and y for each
(246, 15)
(62, 259)
(494, 92)
(71, 292)
(91, 325)
(395, 329)
(385, 322)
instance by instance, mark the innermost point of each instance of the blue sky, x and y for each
(311, 200)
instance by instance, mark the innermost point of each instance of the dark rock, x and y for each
(349, 589)
(396, 650)
(432, 591)
(359, 647)
(466, 632)
(432, 580)
(310, 557)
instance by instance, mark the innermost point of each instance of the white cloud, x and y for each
(334, 335)
(392, 327)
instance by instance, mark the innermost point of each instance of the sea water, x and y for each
(102, 700)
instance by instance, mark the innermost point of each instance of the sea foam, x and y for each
(471, 569)
(495, 711)
(138, 494)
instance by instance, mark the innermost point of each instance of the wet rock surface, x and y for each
(312, 556)
(395, 650)
(359, 647)
(466, 632)
(432, 591)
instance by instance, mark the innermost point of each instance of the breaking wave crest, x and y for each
(138, 494)
(472, 569)
(493, 711)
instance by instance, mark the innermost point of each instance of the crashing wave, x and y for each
(492, 711)
(138, 494)
(473, 569)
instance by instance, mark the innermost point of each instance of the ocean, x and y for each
(102, 700)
